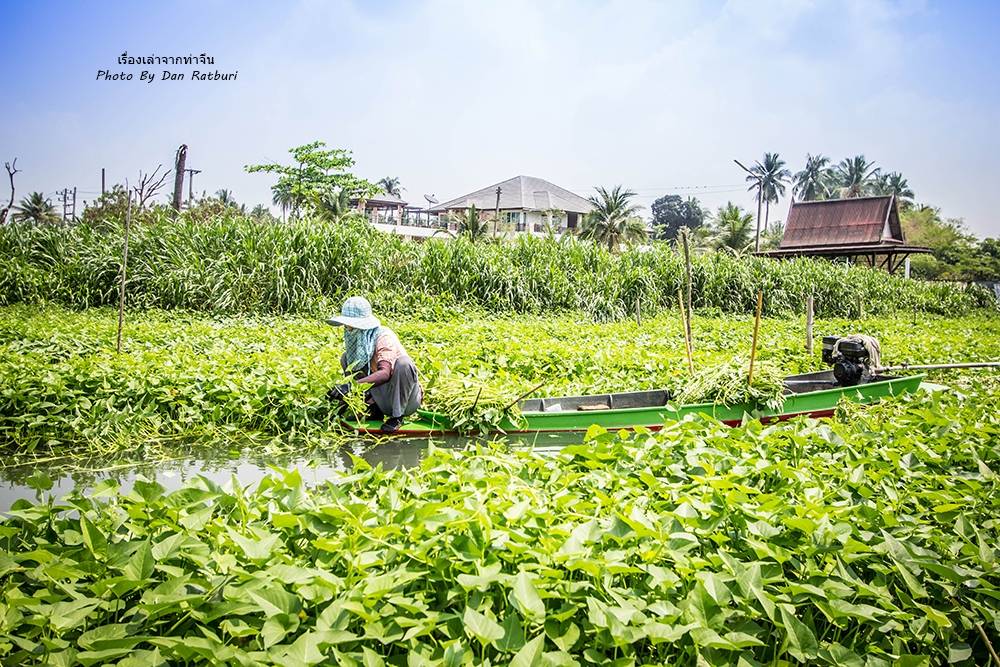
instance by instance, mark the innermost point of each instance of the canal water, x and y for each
(247, 466)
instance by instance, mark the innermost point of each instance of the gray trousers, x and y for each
(402, 394)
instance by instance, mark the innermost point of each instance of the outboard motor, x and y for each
(850, 358)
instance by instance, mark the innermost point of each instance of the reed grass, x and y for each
(233, 264)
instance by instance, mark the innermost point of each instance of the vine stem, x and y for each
(989, 646)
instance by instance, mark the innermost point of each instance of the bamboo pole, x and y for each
(687, 271)
(121, 289)
(931, 367)
(525, 394)
(684, 330)
(638, 311)
(809, 324)
(756, 328)
(476, 402)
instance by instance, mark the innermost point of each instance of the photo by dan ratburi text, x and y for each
(166, 75)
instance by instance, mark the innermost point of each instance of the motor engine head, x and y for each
(850, 359)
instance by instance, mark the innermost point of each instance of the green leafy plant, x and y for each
(728, 384)
(868, 541)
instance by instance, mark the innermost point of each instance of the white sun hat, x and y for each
(356, 312)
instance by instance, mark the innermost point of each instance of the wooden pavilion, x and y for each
(862, 230)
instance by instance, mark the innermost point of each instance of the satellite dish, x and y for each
(431, 199)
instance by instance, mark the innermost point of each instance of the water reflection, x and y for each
(247, 464)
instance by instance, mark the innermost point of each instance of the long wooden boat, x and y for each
(813, 394)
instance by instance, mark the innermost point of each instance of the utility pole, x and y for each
(191, 173)
(760, 188)
(102, 181)
(179, 163)
(68, 205)
(496, 214)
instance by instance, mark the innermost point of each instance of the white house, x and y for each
(526, 204)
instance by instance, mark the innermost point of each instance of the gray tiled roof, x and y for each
(382, 197)
(520, 192)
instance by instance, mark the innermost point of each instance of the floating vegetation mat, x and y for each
(869, 542)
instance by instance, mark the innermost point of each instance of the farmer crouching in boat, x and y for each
(373, 355)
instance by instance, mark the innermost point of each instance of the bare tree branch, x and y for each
(11, 170)
(149, 185)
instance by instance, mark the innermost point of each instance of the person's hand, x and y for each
(339, 392)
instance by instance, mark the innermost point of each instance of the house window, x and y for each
(514, 219)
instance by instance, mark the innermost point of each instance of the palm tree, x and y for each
(772, 176)
(390, 185)
(733, 227)
(855, 176)
(470, 224)
(613, 220)
(282, 196)
(37, 209)
(334, 205)
(813, 182)
(225, 197)
(894, 184)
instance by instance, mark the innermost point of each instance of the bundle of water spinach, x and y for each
(729, 384)
(472, 404)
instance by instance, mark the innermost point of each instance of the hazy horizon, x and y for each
(450, 97)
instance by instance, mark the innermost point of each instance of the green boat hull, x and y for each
(817, 403)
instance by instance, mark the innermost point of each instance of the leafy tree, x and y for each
(813, 182)
(390, 185)
(110, 209)
(732, 227)
(37, 209)
(772, 176)
(614, 220)
(956, 254)
(316, 172)
(855, 177)
(772, 239)
(893, 183)
(670, 213)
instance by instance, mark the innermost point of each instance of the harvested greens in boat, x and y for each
(473, 404)
(727, 384)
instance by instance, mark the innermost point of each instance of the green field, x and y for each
(184, 376)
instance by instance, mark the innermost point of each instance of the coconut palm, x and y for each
(37, 209)
(390, 185)
(772, 176)
(813, 182)
(855, 177)
(894, 184)
(733, 227)
(334, 205)
(613, 220)
(470, 224)
(282, 196)
(225, 197)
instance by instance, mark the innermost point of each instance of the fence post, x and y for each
(121, 290)
(809, 324)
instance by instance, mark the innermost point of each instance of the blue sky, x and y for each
(453, 96)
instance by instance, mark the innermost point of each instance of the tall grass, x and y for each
(235, 264)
